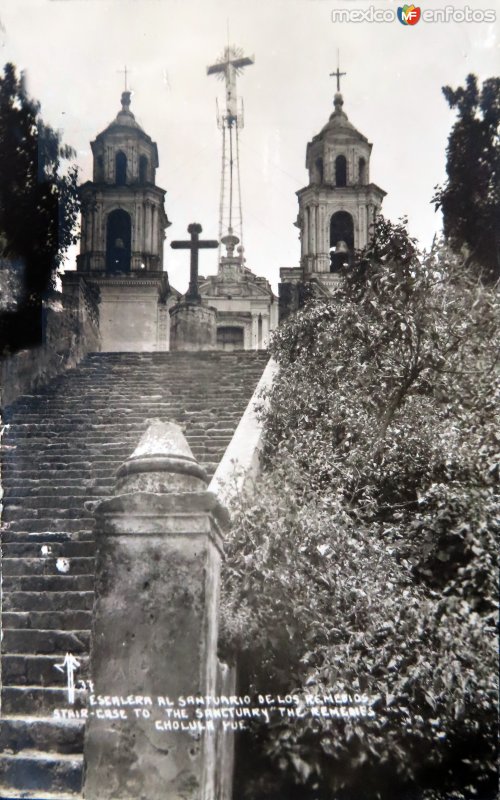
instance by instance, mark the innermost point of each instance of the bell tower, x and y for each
(122, 237)
(338, 206)
(123, 216)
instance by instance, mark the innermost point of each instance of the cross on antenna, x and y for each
(338, 74)
(125, 72)
(228, 67)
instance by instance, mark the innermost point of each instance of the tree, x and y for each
(38, 206)
(367, 559)
(470, 199)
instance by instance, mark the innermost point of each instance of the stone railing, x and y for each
(240, 465)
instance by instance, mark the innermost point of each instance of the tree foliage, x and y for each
(38, 205)
(366, 560)
(470, 199)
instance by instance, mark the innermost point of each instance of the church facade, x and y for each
(121, 255)
(247, 309)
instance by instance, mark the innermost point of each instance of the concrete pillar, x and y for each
(155, 623)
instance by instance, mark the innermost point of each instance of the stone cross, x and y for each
(194, 245)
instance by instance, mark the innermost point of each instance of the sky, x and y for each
(74, 51)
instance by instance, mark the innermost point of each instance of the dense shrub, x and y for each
(367, 559)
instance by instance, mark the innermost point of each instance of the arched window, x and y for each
(340, 171)
(341, 239)
(118, 240)
(362, 171)
(120, 168)
(143, 169)
(319, 170)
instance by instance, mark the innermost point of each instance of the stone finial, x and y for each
(126, 100)
(230, 241)
(195, 227)
(162, 462)
(338, 101)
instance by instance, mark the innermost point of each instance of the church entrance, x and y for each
(230, 337)
(118, 241)
(341, 239)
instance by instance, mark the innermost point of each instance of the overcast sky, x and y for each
(73, 50)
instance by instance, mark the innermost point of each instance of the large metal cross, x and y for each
(194, 245)
(230, 65)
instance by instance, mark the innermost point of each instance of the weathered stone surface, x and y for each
(193, 327)
(61, 736)
(37, 670)
(155, 630)
(40, 772)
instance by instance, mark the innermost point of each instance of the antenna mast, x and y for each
(230, 121)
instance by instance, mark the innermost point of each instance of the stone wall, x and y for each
(71, 330)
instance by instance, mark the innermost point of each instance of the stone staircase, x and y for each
(60, 453)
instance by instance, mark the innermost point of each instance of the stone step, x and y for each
(40, 772)
(48, 524)
(8, 793)
(17, 477)
(42, 485)
(54, 550)
(62, 600)
(40, 701)
(56, 503)
(45, 641)
(30, 493)
(39, 733)
(20, 512)
(38, 670)
(46, 620)
(45, 537)
(47, 566)
(49, 583)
